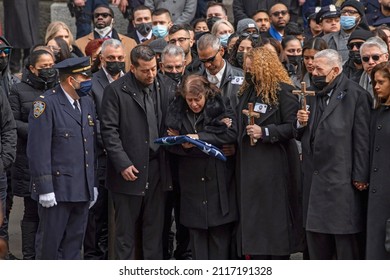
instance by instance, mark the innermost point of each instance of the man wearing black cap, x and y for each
(133, 116)
(314, 29)
(353, 68)
(60, 150)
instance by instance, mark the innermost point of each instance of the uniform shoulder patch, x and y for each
(39, 108)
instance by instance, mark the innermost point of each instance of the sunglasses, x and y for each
(374, 57)
(5, 51)
(211, 59)
(356, 44)
(254, 36)
(278, 13)
(104, 15)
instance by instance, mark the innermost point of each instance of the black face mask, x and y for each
(3, 63)
(240, 58)
(319, 81)
(294, 59)
(248, 78)
(175, 76)
(143, 28)
(115, 67)
(355, 57)
(210, 22)
(49, 75)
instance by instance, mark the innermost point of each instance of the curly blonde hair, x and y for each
(268, 72)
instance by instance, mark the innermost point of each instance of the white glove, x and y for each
(47, 200)
(95, 195)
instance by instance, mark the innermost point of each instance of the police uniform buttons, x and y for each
(58, 173)
(143, 192)
(170, 187)
(377, 148)
(202, 179)
(315, 172)
(86, 152)
(375, 169)
(373, 191)
(85, 139)
(204, 202)
(144, 166)
(66, 134)
(87, 165)
(379, 127)
(146, 142)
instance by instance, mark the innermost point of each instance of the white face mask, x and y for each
(103, 32)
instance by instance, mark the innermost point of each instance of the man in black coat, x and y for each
(142, 24)
(335, 153)
(133, 111)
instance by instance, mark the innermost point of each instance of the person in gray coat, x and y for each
(182, 11)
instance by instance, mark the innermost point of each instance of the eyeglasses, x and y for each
(5, 51)
(170, 68)
(350, 12)
(210, 59)
(278, 13)
(104, 15)
(180, 40)
(355, 45)
(374, 57)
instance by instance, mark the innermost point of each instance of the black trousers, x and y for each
(144, 213)
(213, 243)
(324, 246)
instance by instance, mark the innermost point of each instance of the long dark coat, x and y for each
(379, 190)
(21, 25)
(21, 99)
(125, 133)
(207, 185)
(334, 156)
(270, 216)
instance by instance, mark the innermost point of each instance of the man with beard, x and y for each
(142, 22)
(353, 68)
(335, 165)
(215, 11)
(112, 57)
(279, 16)
(377, 16)
(372, 52)
(261, 18)
(179, 35)
(103, 22)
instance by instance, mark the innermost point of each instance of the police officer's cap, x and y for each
(312, 12)
(330, 11)
(75, 65)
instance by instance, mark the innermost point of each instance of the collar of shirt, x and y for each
(219, 75)
(70, 99)
(109, 77)
(140, 36)
(109, 35)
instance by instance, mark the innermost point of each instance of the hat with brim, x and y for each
(330, 11)
(75, 65)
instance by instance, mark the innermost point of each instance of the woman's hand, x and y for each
(254, 131)
(189, 145)
(172, 132)
(227, 121)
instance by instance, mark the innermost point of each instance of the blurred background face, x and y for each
(293, 47)
(314, 27)
(142, 16)
(216, 11)
(64, 34)
(308, 58)
(330, 25)
(201, 27)
(52, 44)
(262, 21)
(223, 29)
(382, 86)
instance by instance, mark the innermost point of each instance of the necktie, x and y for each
(152, 119)
(76, 108)
(143, 40)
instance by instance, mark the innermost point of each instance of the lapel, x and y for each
(271, 109)
(84, 111)
(312, 102)
(68, 108)
(102, 79)
(338, 94)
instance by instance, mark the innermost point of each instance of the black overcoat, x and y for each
(269, 194)
(334, 156)
(379, 190)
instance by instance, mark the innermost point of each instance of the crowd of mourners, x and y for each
(196, 136)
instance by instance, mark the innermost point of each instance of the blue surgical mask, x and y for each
(224, 39)
(160, 31)
(85, 87)
(347, 22)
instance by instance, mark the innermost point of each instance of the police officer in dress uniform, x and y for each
(60, 149)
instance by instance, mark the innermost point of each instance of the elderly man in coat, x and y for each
(335, 153)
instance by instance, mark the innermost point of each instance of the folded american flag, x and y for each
(205, 147)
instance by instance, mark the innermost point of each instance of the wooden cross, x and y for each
(303, 93)
(251, 114)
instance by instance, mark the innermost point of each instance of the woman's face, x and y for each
(52, 44)
(201, 27)
(308, 57)
(195, 102)
(293, 47)
(44, 61)
(223, 29)
(382, 86)
(245, 46)
(63, 33)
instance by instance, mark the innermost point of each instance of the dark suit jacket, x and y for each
(337, 156)
(60, 148)
(125, 134)
(133, 35)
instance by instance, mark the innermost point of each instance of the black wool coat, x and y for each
(269, 179)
